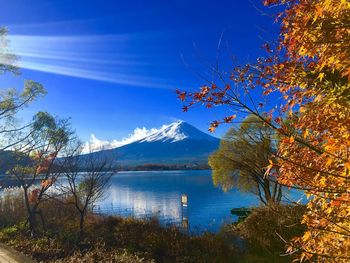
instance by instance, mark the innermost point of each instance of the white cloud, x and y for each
(82, 57)
(95, 144)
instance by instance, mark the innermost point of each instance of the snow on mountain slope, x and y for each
(175, 132)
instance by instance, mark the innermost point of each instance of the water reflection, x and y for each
(145, 194)
(141, 203)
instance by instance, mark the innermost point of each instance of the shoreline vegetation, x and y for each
(8, 181)
(165, 167)
(117, 239)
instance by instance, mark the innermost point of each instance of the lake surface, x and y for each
(145, 194)
(158, 193)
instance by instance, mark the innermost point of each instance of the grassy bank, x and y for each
(258, 238)
(113, 239)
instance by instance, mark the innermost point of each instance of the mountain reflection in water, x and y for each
(158, 193)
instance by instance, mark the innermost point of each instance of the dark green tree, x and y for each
(242, 158)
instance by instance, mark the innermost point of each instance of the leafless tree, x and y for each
(85, 181)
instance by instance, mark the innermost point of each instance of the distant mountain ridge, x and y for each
(178, 143)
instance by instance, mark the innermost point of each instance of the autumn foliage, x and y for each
(307, 70)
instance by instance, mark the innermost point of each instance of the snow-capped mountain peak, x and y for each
(175, 132)
(168, 133)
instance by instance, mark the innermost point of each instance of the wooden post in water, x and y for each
(184, 212)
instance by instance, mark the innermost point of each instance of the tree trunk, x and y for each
(32, 222)
(260, 195)
(81, 224)
(42, 219)
(31, 214)
(267, 192)
(279, 196)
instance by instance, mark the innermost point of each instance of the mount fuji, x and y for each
(176, 144)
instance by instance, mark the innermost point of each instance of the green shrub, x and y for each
(267, 231)
(10, 231)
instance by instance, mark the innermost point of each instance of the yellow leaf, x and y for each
(306, 236)
(329, 162)
(320, 76)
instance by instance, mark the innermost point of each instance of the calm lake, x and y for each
(158, 193)
(147, 194)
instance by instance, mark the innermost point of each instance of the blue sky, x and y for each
(113, 66)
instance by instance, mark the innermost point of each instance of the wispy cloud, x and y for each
(95, 144)
(118, 78)
(96, 57)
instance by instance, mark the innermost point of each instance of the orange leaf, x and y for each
(291, 139)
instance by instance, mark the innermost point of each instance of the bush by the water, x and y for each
(268, 230)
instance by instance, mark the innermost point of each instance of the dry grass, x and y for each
(12, 208)
(106, 239)
(115, 239)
